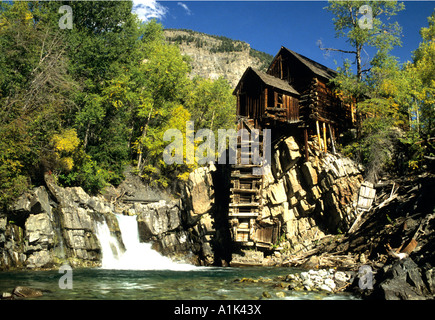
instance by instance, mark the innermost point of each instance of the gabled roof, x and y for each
(268, 80)
(315, 67)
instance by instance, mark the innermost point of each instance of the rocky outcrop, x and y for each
(199, 193)
(405, 280)
(77, 215)
(161, 223)
(29, 238)
(309, 199)
(48, 227)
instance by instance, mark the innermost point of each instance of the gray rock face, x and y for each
(77, 214)
(404, 282)
(158, 218)
(199, 193)
(48, 228)
(39, 230)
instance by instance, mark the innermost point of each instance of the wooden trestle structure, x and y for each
(245, 194)
(294, 95)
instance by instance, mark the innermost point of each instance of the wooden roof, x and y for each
(315, 67)
(268, 80)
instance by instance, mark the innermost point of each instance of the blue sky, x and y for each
(268, 25)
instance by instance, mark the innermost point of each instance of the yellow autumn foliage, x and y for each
(67, 141)
(67, 163)
(65, 144)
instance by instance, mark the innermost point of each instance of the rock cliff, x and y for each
(48, 226)
(52, 225)
(309, 199)
(214, 56)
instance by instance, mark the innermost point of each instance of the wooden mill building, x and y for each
(294, 90)
(294, 97)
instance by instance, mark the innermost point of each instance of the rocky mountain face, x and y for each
(213, 56)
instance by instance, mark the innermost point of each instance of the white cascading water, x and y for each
(138, 255)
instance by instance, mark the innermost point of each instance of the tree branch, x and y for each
(339, 50)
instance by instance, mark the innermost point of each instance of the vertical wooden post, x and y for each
(324, 137)
(238, 104)
(265, 99)
(318, 135)
(306, 144)
(332, 138)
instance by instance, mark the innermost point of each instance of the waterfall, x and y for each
(138, 255)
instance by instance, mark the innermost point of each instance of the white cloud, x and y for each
(149, 9)
(185, 7)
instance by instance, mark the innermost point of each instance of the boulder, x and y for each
(39, 230)
(306, 207)
(26, 292)
(276, 164)
(289, 154)
(292, 182)
(22, 204)
(288, 213)
(199, 192)
(268, 177)
(276, 193)
(247, 258)
(80, 239)
(39, 259)
(73, 217)
(309, 173)
(158, 218)
(404, 282)
(291, 229)
(40, 201)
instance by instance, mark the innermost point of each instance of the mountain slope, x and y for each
(215, 56)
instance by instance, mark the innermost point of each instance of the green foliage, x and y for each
(84, 103)
(212, 105)
(86, 174)
(394, 104)
(14, 149)
(265, 58)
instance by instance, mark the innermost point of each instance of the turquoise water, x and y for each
(199, 284)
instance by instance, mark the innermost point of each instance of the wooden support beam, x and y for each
(245, 166)
(275, 98)
(332, 138)
(245, 204)
(238, 190)
(265, 97)
(324, 137)
(306, 143)
(244, 214)
(245, 176)
(318, 134)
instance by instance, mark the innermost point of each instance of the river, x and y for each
(139, 272)
(206, 283)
